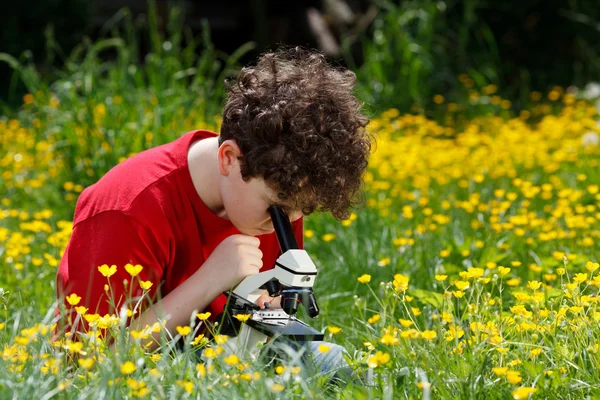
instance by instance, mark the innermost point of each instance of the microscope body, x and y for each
(292, 278)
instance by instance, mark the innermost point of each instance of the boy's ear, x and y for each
(227, 156)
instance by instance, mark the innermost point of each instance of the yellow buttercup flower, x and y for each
(183, 330)
(378, 359)
(242, 317)
(232, 360)
(461, 285)
(107, 271)
(81, 310)
(73, 299)
(366, 278)
(592, 266)
(323, 348)
(146, 285)
(374, 318)
(203, 316)
(328, 237)
(133, 270)
(334, 329)
(523, 393)
(429, 334)
(128, 368)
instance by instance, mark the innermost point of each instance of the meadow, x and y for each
(472, 271)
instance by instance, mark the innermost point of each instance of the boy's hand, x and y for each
(235, 258)
(274, 302)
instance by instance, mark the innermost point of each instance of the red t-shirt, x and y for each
(146, 211)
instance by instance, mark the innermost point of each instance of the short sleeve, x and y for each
(113, 239)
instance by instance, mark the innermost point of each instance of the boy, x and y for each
(193, 212)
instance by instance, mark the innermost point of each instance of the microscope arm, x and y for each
(249, 288)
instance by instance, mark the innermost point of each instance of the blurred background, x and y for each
(404, 52)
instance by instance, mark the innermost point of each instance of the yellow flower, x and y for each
(513, 377)
(475, 272)
(203, 316)
(107, 271)
(309, 234)
(461, 285)
(81, 310)
(374, 318)
(183, 330)
(523, 393)
(232, 360)
(200, 339)
(73, 299)
(220, 339)
(323, 348)
(405, 322)
(445, 253)
(513, 282)
(490, 265)
(201, 369)
(578, 278)
(277, 387)
(378, 359)
(429, 334)
(458, 294)
(209, 352)
(86, 363)
(366, 278)
(535, 352)
(328, 237)
(441, 278)
(334, 329)
(133, 270)
(128, 368)
(400, 282)
(145, 285)
(242, 317)
(560, 271)
(534, 285)
(186, 385)
(503, 271)
(383, 262)
(592, 266)
(280, 369)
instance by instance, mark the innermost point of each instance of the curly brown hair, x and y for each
(300, 128)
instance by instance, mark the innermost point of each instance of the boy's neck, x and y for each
(202, 163)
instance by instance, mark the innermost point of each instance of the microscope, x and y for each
(292, 278)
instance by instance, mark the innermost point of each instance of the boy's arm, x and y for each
(109, 238)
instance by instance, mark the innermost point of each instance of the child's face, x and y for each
(246, 202)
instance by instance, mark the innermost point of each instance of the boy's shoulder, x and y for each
(146, 176)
